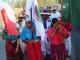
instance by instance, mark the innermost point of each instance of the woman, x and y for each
(56, 36)
(12, 45)
(32, 45)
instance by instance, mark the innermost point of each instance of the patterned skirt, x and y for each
(58, 52)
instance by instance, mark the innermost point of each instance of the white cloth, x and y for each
(48, 24)
(20, 26)
(55, 15)
(68, 45)
(23, 46)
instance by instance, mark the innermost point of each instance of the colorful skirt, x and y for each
(10, 50)
(30, 50)
(33, 50)
(58, 52)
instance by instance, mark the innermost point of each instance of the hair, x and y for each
(54, 20)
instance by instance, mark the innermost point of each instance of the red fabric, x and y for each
(10, 51)
(63, 51)
(57, 39)
(68, 26)
(37, 48)
(60, 38)
(58, 52)
(30, 51)
(65, 33)
(9, 25)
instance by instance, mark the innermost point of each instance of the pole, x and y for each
(31, 21)
(61, 8)
(31, 14)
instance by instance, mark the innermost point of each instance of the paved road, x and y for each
(2, 49)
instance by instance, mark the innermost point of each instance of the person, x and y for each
(20, 26)
(45, 20)
(56, 36)
(21, 21)
(55, 14)
(28, 36)
(68, 26)
(12, 45)
(46, 26)
(28, 29)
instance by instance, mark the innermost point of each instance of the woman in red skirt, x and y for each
(56, 36)
(12, 46)
(28, 36)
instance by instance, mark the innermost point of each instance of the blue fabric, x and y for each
(14, 37)
(27, 34)
(45, 24)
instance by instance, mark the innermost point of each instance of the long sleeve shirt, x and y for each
(27, 34)
(58, 38)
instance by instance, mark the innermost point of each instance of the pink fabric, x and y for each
(57, 39)
(68, 26)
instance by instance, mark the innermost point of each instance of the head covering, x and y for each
(54, 20)
(28, 18)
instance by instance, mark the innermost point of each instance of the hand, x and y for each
(60, 29)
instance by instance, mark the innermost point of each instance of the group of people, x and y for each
(27, 43)
(58, 33)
